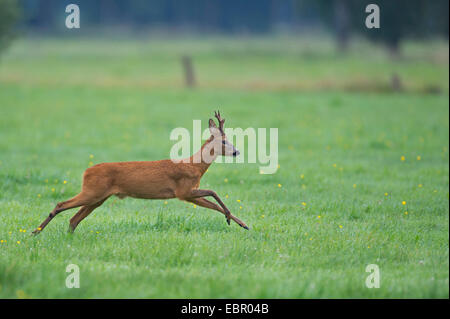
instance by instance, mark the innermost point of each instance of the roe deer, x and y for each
(152, 180)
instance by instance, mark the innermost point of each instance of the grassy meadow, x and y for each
(363, 172)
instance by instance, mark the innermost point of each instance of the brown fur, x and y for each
(162, 179)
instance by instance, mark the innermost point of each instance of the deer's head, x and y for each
(219, 140)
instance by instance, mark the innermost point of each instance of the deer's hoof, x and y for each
(245, 227)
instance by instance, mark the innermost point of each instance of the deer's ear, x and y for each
(212, 124)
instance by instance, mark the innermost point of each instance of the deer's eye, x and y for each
(224, 142)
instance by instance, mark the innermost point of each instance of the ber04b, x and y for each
(246, 308)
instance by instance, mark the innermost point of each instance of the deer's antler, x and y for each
(221, 121)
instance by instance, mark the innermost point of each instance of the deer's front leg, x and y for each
(204, 192)
(207, 204)
(196, 193)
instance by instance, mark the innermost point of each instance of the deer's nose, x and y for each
(236, 153)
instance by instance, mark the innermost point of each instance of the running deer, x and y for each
(164, 179)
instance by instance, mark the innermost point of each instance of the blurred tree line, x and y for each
(344, 18)
(399, 19)
(9, 13)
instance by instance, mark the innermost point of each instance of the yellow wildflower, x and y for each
(21, 294)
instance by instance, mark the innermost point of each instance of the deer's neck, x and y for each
(200, 161)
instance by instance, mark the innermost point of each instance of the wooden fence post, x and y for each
(189, 75)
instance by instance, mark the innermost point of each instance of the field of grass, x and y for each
(363, 176)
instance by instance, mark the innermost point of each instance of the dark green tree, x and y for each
(399, 19)
(9, 13)
(335, 15)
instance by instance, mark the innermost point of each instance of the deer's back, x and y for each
(141, 179)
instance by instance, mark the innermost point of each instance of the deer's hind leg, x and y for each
(82, 214)
(81, 199)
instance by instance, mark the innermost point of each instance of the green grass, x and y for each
(339, 152)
